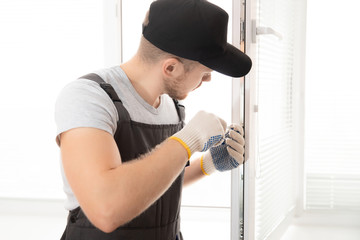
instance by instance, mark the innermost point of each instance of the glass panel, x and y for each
(332, 130)
(214, 97)
(43, 45)
(276, 173)
(133, 14)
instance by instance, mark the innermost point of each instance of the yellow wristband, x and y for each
(202, 165)
(184, 145)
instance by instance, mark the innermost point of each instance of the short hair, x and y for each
(149, 53)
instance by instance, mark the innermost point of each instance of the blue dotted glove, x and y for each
(226, 156)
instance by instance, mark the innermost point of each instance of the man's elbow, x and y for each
(105, 226)
(106, 219)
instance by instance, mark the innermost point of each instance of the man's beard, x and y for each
(174, 89)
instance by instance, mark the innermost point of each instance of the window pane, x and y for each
(44, 44)
(133, 15)
(332, 133)
(276, 161)
(214, 97)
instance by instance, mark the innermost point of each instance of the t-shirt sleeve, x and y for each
(83, 103)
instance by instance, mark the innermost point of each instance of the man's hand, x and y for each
(226, 156)
(203, 131)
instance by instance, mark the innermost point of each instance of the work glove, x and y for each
(201, 132)
(226, 156)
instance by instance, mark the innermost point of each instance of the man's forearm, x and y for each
(193, 173)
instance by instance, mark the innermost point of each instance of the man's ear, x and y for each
(172, 68)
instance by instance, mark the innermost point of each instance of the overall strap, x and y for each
(111, 93)
(180, 110)
(94, 77)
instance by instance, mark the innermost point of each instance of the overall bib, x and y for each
(161, 220)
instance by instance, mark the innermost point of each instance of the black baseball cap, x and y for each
(195, 30)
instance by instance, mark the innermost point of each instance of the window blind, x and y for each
(275, 177)
(332, 130)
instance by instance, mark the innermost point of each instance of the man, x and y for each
(124, 147)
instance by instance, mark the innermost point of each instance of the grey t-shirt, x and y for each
(83, 103)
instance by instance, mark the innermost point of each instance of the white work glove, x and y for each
(226, 156)
(201, 132)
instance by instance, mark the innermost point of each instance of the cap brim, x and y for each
(232, 63)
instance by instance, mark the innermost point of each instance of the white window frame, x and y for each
(237, 116)
(250, 129)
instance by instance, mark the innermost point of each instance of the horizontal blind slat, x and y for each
(275, 183)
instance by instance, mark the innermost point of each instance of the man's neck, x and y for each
(145, 79)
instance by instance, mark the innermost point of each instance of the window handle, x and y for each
(264, 30)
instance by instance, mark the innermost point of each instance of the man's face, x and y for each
(179, 88)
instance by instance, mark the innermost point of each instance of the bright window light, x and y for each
(43, 45)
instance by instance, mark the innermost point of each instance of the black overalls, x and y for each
(161, 220)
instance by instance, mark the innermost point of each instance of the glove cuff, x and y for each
(189, 140)
(183, 144)
(206, 164)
